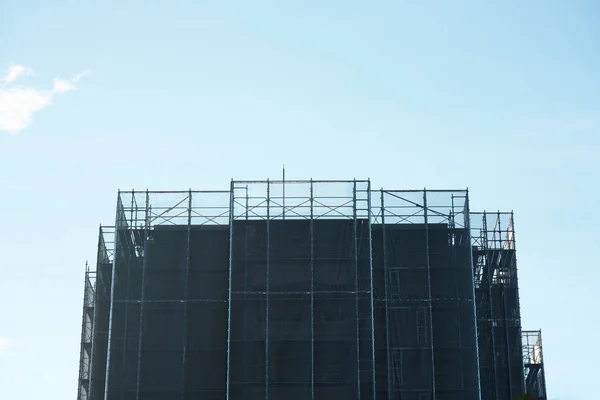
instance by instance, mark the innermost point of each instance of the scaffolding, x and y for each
(300, 322)
(101, 307)
(424, 289)
(533, 360)
(498, 310)
(302, 290)
(167, 270)
(87, 329)
(168, 284)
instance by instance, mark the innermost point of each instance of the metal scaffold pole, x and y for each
(94, 318)
(371, 290)
(386, 302)
(512, 245)
(231, 216)
(130, 255)
(476, 327)
(112, 292)
(188, 252)
(430, 299)
(87, 329)
(312, 293)
(356, 287)
(147, 217)
(267, 290)
(489, 281)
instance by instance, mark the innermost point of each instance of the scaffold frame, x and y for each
(87, 332)
(496, 285)
(533, 361)
(309, 201)
(441, 224)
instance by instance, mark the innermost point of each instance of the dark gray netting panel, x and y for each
(125, 317)
(405, 366)
(206, 354)
(381, 337)
(285, 341)
(182, 315)
(289, 344)
(100, 339)
(163, 316)
(248, 311)
(454, 335)
(405, 296)
(343, 354)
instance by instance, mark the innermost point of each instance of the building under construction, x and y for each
(302, 290)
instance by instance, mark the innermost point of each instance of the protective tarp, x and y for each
(300, 318)
(424, 290)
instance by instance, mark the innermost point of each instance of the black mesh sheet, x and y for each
(100, 336)
(499, 325)
(301, 314)
(169, 315)
(125, 319)
(425, 321)
(300, 318)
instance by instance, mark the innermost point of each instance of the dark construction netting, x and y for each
(295, 301)
(183, 326)
(405, 366)
(300, 318)
(100, 340)
(498, 314)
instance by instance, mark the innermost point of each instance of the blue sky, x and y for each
(501, 97)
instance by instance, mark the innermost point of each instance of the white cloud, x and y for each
(63, 86)
(19, 104)
(14, 72)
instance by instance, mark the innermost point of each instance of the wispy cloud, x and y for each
(19, 104)
(14, 72)
(77, 77)
(63, 86)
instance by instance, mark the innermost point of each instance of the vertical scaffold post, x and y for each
(387, 301)
(268, 283)
(80, 390)
(147, 218)
(513, 245)
(476, 330)
(489, 280)
(131, 256)
(356, 287)
(373, 387)
(98, 276)
(231, 216)
(112, 293)
(247, 202)
(502, 283)
(188, 251)
(451, 217)
(429, 294)
(312, 293)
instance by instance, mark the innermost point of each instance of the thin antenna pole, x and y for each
(283, 184)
